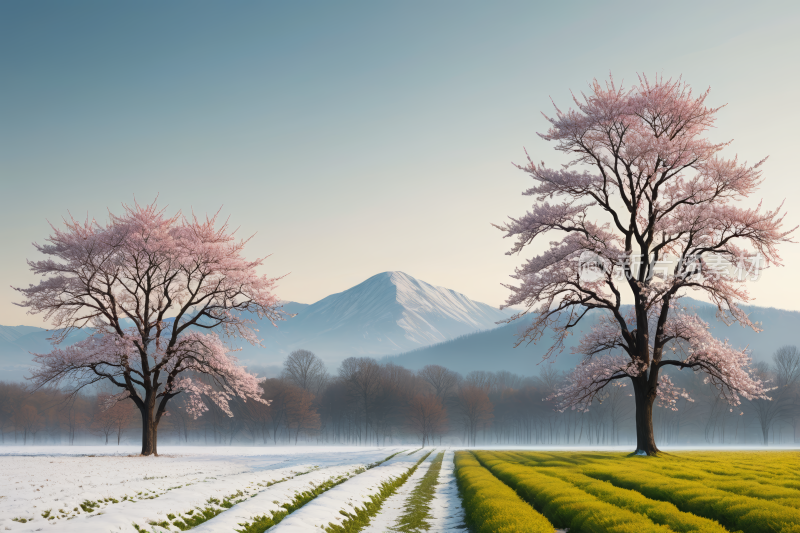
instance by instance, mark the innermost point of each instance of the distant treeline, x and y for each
(367, 402)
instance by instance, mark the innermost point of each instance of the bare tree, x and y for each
(440, 378)
(787, 366)
(363, 377)
(550, 376)
(481, 379)
(10, 397)
(300, 413)
(505, 380)
(783, 376)
(426, 417)
(305, 370)
(476, 409)
(277, 390)
(102, 423)
(767, 410)
(29, 420)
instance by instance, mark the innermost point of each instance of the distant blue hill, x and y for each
(389, 313)
(397, 317)
(494, 349)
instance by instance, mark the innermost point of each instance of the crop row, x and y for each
(711, 488)
(418, 503)
(659, 512)
(566, 505)
(491, 506)
(266, 521)
(734, 511)
(360, 518)
(734, 474)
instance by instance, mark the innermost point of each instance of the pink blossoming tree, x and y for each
(647, 210)
(154, 290)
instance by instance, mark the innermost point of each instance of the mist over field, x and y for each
(483, 390)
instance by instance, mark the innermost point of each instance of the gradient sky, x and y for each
(356, 137)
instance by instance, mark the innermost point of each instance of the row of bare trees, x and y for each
(372, 403)
(48, 415)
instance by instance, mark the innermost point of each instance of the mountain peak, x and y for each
(388, 313)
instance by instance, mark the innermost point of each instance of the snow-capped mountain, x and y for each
(389, 313)
(394, 314)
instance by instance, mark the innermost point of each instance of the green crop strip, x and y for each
(565, 505)
(751, 492)
(195, 517)
(418, 503)
(360, 518)
(743, 485)
(490, 505)
(659, 512)
(731, 510)
(264, 522)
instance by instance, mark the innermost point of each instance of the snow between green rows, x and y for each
(447, 513)
(395, 505)
(176, 490)
(400, 511)
(272, 505)
(417, 515)
(271, 500)
(180, 501)
(329, 508)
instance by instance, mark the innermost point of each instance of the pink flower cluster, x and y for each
(643, 181)
(149, 285)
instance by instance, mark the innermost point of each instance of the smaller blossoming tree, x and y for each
(647, 209)
(154, 290)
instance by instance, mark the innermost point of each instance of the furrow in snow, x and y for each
(394, 506)
(447, 514)
(122, 516)
(325, 509)
(270, 500)
(45, 486)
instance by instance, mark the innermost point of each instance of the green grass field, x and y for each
(687, 492)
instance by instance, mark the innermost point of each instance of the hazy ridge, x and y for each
(395, 316)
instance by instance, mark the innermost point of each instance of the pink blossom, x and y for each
(171, 278)
(643, 181)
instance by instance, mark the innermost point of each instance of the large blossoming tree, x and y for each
(647, 209)
(154, 290)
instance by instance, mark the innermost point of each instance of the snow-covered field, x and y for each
(104, 489)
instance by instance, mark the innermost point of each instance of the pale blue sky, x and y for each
(355, 137)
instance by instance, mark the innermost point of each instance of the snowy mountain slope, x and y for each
(12, 333)
(389, 313)
(18, 343)
(494, 350)
(394, 315)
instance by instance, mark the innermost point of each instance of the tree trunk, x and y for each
(644, 396)
(149, 427)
